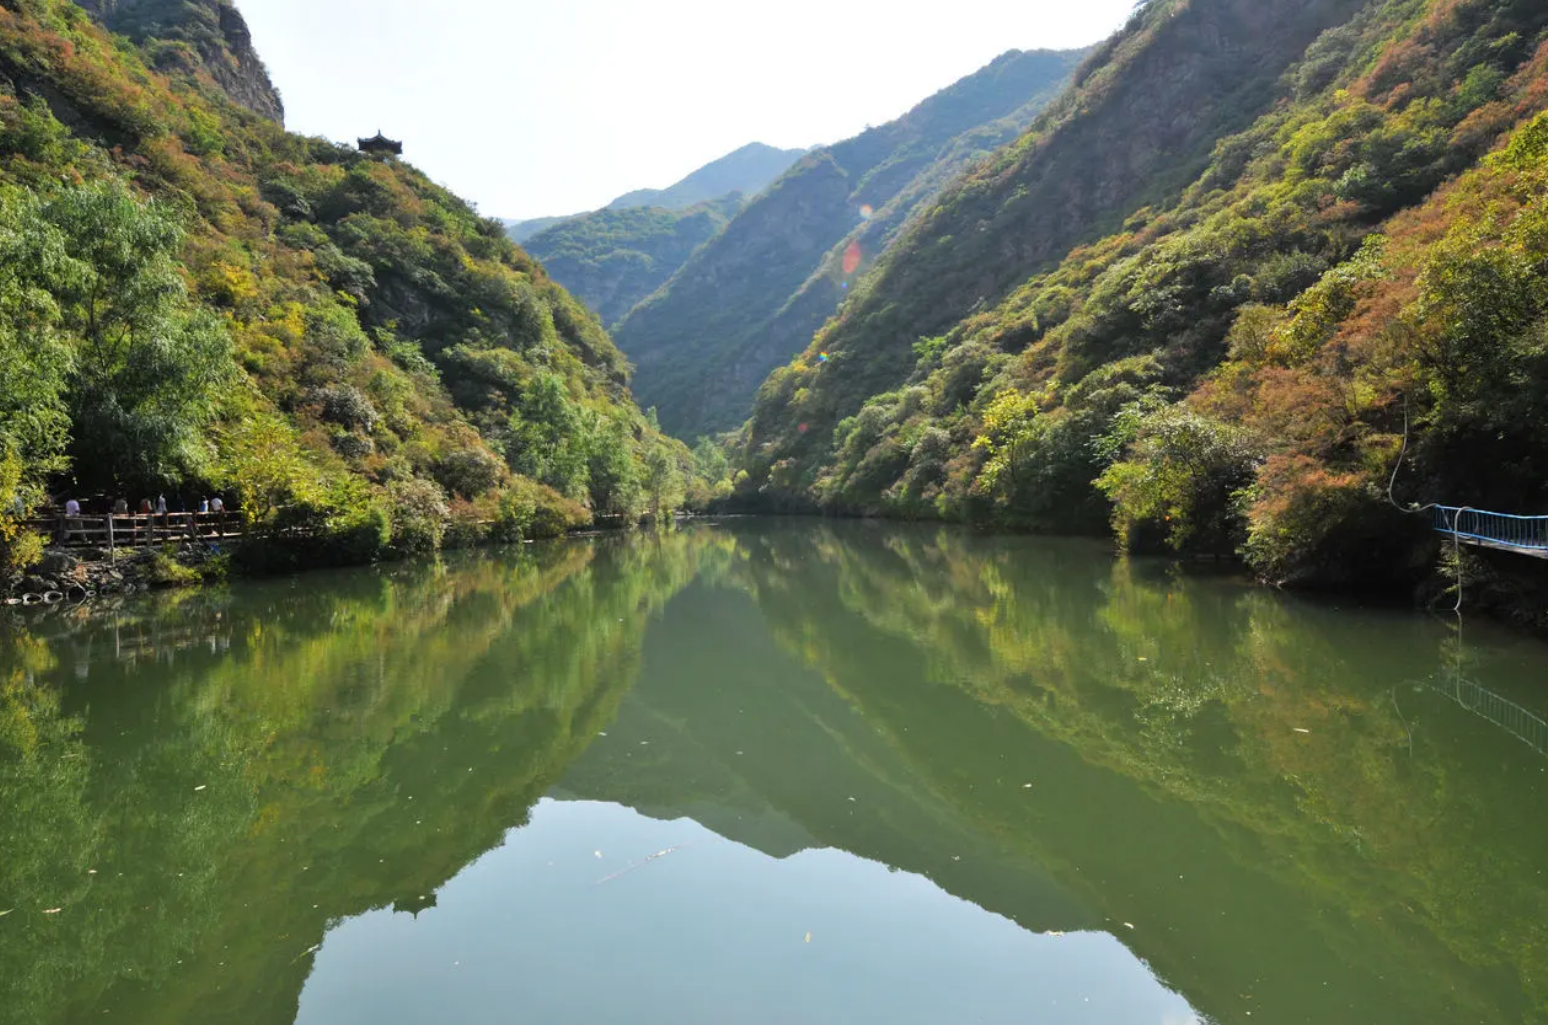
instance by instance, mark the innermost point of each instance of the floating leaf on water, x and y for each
(808, 937)
(204, 786)
(1299, 730)
(1128, 925)
(7, 912)
(597, 853)
(53, 911)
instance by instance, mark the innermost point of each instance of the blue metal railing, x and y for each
(1492, 528)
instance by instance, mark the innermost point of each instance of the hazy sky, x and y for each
(537, 107)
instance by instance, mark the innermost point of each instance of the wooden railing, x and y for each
(130, 529)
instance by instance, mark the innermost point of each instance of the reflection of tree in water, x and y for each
(200, 814)
(1270, 719)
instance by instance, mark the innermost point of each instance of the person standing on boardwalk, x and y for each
(120, 507)
(216, 505)
(72, 519)
(161, 505)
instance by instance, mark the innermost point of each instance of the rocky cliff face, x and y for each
(193, 37)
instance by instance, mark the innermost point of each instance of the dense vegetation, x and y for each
(193, 300)
(1210, 295)
(613, 258)
(751, 298)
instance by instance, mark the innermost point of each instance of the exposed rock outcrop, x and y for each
(195, 36)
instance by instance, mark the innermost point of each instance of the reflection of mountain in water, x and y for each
(1061, 741)
(724, 728)
(932, 678)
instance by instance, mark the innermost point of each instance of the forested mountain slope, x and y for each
(1210, 294)
(752, 298)
(613, 258)
(192, 299)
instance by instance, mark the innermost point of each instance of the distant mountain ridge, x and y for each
(747, 170)
(753, 296)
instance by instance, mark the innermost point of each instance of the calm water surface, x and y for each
(764, 772)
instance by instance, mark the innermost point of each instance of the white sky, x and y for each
(539, 107)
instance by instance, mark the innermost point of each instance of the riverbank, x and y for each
(76, 574)
(82, 574)
(1499, 586)
(1419, 567)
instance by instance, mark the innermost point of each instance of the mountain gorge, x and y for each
(614, 257)
(1252, 257)
(193, 300)
(752, 297)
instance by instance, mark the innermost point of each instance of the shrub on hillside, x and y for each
(417, 510)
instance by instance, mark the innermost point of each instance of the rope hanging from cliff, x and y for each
(1456, 521)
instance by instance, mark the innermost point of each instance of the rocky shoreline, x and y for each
(79, 575)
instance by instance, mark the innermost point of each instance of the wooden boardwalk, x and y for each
(119, 530)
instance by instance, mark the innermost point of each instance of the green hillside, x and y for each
(1206, 296)
(752, 298)
(613, 258)
(192, 299)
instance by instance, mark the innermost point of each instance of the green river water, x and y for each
(770, 772)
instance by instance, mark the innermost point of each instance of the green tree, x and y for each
(151, 366)
(549, 436)
(35, 360)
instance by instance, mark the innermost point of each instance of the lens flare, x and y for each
(822, 357)
(852, 258)
(866, 213)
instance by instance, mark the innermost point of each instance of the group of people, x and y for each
(72, 507)
(150, 508)
(73, 527)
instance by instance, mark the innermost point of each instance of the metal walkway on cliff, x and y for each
(1524, 535)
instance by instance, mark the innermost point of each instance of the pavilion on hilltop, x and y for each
(380, 144)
